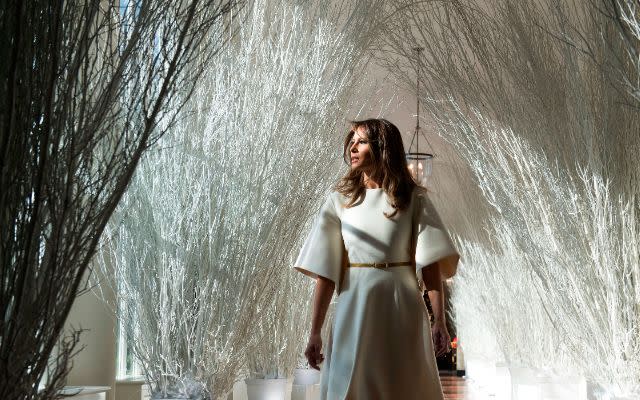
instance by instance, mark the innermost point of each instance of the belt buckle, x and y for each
(381, 265)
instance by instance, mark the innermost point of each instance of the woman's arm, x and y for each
(321, 299)
(433, 285)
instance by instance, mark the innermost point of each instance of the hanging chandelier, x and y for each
(419, 163)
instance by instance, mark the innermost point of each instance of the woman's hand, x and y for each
(440, 337)
(321, 299)
(314, 357)
(433, 284)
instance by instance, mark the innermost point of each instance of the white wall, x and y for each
(95, 365)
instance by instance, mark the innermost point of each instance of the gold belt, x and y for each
(382, 265)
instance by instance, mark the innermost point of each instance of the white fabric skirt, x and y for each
(380, 344)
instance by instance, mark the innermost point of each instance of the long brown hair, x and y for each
(389, 163)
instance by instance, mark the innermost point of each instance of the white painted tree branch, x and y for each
(206, 235)
(526, 92)
(84, 86)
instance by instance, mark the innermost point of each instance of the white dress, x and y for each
(380, 346)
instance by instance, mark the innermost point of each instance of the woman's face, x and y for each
(359, 150)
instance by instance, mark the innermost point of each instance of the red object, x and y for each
(454, 343)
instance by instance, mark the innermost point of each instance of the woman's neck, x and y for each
(371, 182)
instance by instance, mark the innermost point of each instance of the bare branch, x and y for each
(73, 132)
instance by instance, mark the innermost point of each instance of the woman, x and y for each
(373, 234)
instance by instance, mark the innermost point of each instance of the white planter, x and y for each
(85, 392)
(266, 389)
(502, 388)
(597, 392)
(623, 398)
(460, 364)
(306, 376)
(172, 397)
(167, 398)
(563, 388)
(305, 392)
(525, 384)
(482, 374)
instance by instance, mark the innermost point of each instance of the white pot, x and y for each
(85, 392)
(482, 374)
(266, 389)
(563, 387)
(305, 392)
(306, 376)
(502, 388)
(598, 392)
(623, 398)
(525, 384)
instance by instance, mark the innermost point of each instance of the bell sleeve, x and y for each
(323, 251)
(432, 242)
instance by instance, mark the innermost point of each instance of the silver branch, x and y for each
(526, 94)
(84, 87)
(203, 242)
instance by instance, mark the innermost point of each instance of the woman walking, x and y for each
(374, 233)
